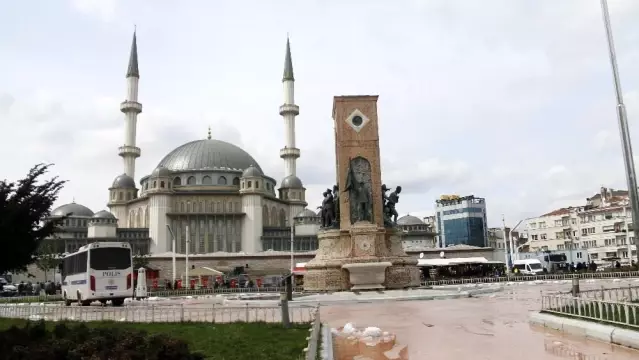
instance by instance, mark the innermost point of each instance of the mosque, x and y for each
(208, 195)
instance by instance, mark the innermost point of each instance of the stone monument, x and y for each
(359, 246)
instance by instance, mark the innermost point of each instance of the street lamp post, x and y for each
(292, 248)
(503, 220)
(172, 251)
(624, 132)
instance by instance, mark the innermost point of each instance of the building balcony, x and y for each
(129, 150)
(289, 109)
(289, 152)
(130, 106)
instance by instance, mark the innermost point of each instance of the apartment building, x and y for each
(602, 227)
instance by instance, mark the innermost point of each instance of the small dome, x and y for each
(306, 213)
(291, 182)
(409, 220)
(252, 171)
(103, 214)
(160, 171)
(72, 209)
(123, 181)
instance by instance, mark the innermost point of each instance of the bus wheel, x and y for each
(103, 302)
(117, 302)
(67, 302)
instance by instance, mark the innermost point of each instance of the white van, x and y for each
(528, 266)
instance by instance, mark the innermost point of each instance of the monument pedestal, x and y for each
(344, 256)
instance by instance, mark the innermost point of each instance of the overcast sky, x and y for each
(511, 100)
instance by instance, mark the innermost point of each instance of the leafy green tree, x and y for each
(47, 259)
(140, 260)
(25, 207)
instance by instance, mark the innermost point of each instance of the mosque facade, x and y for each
(206, 196)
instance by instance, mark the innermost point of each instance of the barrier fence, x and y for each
(156, 313)
(620, 294)
(604, 311)
(500, 279)
(300, 289)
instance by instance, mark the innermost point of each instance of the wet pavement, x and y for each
(492, 326)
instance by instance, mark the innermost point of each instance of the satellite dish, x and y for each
(421, 255)
(442, 254)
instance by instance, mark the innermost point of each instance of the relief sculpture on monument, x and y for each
(358, 187)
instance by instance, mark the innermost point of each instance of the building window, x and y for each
(162, 184)
(207, 180)
(221, 180)
(236, 181)
(543, 237)
(248, 184)
(190, 180)
(177, 181)
(155, 184)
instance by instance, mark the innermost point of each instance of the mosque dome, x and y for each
(123, 181)
(208, 154)
(252, 171)
(291, 182)
(103, 214)
(409, 220)
(160, 171)
(306, 213)
(73, 209)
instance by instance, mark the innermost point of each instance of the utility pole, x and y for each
(624, 131)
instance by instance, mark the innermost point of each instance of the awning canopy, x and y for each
(204, 271)
(454, 261)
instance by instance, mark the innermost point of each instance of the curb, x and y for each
(605, 333)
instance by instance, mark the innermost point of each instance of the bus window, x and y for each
(110, 258)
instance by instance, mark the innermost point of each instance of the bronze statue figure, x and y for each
(328, 208)
(336, 206)
(386, 213)
(359, 195)
(391, 204)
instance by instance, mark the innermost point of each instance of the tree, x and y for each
(25, 208)
(47, 259)
(140, 260)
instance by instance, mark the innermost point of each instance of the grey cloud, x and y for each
(6, 102)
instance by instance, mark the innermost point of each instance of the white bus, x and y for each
(99, 271)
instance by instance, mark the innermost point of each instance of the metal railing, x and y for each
(158, 313)
(500, 279)
(300, 289)
(623, 294)
(315, 336)
(603, 311)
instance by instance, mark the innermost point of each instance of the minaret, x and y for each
(131, 108)
(289, 111)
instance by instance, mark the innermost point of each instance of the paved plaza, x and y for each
(479, 321)
(491, 326)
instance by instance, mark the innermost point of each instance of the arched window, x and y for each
(146, 217)
(282, 218)
(182, 209)
(221, 180)
(265, 217)
(177, 181)
(273, 216)
(120, 195)
(207, 180)
(162, 184)
(155, 184)
(190, 180)
(236, 181)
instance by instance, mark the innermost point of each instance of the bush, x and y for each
(79, 342)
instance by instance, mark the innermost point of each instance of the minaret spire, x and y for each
(133, 58)
(289, 111)
(288, 63)
(131, 108)
(209, 133)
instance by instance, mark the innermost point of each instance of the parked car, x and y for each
(9, 290)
